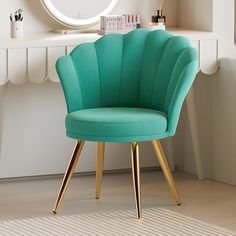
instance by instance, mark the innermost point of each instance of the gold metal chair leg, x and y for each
(68, 174)
(165, 168)
(100, 163)
(136, 177)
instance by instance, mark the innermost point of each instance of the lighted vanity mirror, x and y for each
(78, 13)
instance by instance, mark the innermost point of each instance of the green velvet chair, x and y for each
(126, 88)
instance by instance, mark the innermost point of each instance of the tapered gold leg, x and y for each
(70, 169)
(100, 163)
(165, 168)
(136, 177)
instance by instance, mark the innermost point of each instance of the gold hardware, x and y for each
(100, 164)
(135, 172)
(136, 177)
(165, 168)
(68, 174)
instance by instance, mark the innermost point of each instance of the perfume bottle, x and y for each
(159, 18)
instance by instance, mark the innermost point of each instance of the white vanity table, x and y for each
(33, 59)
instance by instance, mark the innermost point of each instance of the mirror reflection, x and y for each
(81, 9)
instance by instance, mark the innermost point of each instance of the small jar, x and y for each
(16, 29)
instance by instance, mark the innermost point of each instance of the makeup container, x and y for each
(159, 18)
(16, 29)
(16, 24)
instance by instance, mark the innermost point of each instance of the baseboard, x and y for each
(89, 173)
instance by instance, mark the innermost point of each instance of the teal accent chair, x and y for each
(126, 88)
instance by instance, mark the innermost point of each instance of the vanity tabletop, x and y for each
(55, 39)
(47, 40)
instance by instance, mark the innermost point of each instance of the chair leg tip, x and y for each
(54, 212)
(139, 217)
(179, 204)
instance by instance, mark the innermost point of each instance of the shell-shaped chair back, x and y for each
(145, 69)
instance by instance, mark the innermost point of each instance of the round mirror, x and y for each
(78, 13)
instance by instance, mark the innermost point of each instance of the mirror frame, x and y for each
(72, 22)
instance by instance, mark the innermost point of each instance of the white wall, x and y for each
(223, 98)
(215, 97)
(216, 114)
(225, 29)
(222, 91)
(196, 14)
(32, 116)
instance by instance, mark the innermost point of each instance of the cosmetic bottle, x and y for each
(159, 18)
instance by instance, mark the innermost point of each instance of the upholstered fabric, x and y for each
(152, 70)
(116, 124)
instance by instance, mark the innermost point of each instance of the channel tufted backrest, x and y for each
(148, 69)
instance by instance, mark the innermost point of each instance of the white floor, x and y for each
(207, 200)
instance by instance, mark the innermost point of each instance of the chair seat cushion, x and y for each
(116, 124)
